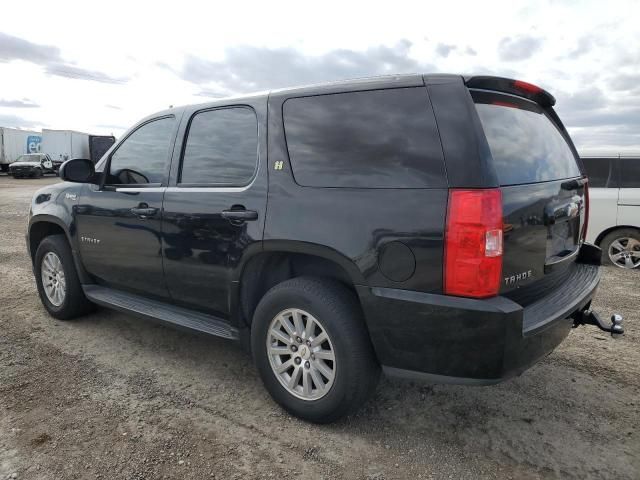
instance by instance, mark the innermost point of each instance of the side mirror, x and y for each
(78, 170)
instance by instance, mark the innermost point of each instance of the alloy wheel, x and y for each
(301, 354)
(624, 252)
(53, 280)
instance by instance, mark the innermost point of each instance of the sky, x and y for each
(99, 69)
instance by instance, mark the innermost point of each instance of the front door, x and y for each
(214, 210)
(119, 223)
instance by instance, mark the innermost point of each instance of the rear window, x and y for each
(372, 139)
(525, 144)
(600, 172)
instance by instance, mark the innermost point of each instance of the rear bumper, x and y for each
(459, 340)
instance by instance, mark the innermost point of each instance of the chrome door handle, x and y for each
(144, 212)
(243, 215)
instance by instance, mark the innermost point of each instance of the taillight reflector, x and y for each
(473, 243)
(586, 211)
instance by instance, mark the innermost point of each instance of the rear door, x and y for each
(543, 189)
(214, 210)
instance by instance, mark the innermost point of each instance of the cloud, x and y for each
(14, 121)
(444, 50)
(518, 48)
(625, 82)
(24, 103)
(247, 68)
(585, 44)
(110, 126)
(210, 93)
(583, 100)
(471, 51)
(606, 140)
(598, 123)
(70, 71)
(15, 48)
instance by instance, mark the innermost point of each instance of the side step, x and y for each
(154, 310)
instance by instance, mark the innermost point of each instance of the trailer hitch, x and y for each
(589, 317)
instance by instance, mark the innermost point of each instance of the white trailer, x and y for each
(15, 142)
(62, 145)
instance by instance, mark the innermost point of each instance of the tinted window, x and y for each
(600, 172)
(375, 139)
(144, 155)
(221, 148)
(629, 172)
(525, 145)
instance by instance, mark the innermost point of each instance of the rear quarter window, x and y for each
(370, 139)
(526, 146)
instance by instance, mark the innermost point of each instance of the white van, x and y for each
(614, 208)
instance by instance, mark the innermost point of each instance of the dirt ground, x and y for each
(111, 396)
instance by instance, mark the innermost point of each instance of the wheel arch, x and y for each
(41, 226)
(609, 230)
(280, 261)
(44, 225)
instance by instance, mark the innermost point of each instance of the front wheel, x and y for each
(622, 248)
(312, 349)
(57, 280)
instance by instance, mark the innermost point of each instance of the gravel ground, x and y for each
(114, 397)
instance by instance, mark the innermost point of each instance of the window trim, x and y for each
(125, 186)
(217, 186)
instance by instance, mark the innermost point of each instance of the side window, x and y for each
(221, 147)
(143, 156)
(629, 172)
(600, 172)
(370, 139)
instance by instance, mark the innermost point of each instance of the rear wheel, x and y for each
(312, 350)
(57, 280)
(622, 248)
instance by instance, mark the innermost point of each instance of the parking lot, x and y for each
(112, 396)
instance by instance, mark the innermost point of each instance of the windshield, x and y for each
(525, 144)
(29, 158)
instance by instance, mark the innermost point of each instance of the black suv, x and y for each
(427, 226)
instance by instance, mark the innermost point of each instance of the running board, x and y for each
(154, 310)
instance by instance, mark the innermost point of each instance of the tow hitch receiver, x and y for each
(589, 317)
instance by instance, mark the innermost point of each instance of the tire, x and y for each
(621, 248)
(73, 302)
(337, 313)
(38, 173)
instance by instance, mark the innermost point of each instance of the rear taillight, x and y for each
(473, 243)
(585, 225)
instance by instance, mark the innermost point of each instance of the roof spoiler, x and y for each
(514, 87)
